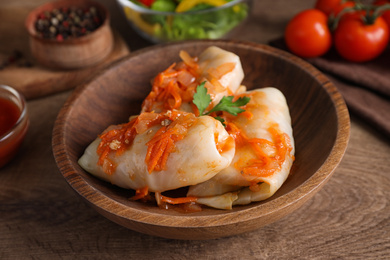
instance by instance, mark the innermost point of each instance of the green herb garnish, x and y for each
(227, 104)
(198, 23)
(202, 100)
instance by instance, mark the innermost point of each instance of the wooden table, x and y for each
(41, 217)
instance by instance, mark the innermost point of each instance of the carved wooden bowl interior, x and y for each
(320, 126)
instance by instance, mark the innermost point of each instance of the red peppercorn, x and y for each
(59, 37)
(63, 23)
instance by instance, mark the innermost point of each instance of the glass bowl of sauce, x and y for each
(13, 123)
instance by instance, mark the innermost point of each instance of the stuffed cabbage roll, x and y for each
(263, 157)
(160, 151)
(174, 88)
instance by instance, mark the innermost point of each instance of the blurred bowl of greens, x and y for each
(176, 20)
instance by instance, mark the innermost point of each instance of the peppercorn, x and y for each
(63, 23)
(14, 59)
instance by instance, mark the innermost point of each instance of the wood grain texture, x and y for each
(37, 80)
(320, 125)
(41, 217)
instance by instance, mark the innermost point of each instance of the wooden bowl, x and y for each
(320, 123)
(72, 53)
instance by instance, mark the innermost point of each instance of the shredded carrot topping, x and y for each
(180, 200)
(247, 114)
(264, 164)
(174, 127)
(141, 193)
(115, 140)
(163, 141)
(177, 84)
(239, 137)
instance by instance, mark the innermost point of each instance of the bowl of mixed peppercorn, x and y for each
(69, 34)
(175, 20)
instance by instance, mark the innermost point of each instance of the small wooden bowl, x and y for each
(320, 123)
(72, 53)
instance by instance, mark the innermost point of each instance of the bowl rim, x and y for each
(31, 18)
(144, 10)
(297, 196)
(23, 113)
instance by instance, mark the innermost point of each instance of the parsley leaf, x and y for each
(201, 99)
(220, 119)
(227, 104)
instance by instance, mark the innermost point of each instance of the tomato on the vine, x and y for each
(386, 14)
(332, 6)
(358, 42)
(327, 6)
(342, 6)
(307, 34)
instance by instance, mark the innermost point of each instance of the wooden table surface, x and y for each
(41, 217)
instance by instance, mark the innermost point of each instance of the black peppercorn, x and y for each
(63, 23)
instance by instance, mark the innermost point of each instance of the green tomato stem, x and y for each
(372, 12)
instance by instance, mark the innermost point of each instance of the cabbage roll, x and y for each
(160, 151)
(263, 157)
(174, 88)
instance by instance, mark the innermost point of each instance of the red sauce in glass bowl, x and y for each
(9, 115)
(13, 123)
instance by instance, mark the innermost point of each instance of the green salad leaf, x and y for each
(196, 23)
(164, 5)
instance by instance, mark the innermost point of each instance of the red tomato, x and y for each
(342, 6)
(359, 42)
(327, 6)
(307, 34)
(333, 6)
(148, 3)
(386, 14)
